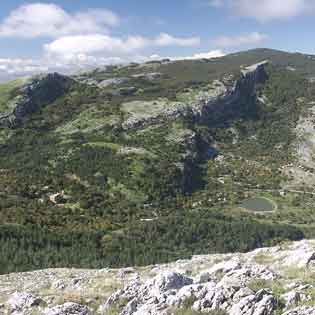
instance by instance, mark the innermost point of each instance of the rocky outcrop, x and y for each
(155, 114)
(302, 310)
(263, 302)
(113, 81)
(302, 171)
(235, 99)
(67, 309)
(40, 91)
(148, 76)
(101, 84)
(20, 301)
(223, 102)
(172, 289)
(267, 281)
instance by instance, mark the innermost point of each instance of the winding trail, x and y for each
(286, 191)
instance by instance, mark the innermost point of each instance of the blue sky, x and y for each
(67, 35)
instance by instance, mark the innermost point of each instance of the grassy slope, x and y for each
(6, 90)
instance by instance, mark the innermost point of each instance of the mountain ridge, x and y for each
(158, 189)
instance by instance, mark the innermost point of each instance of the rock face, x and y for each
(19, 301)
(222, 102)
(41, 91)
(302, 171)
(256, 304)
(67, 309)
(114, 81)
(171, 289)
(141, 114)
(148, 76)
(229, 104)
(303, 310)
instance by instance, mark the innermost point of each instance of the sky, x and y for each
(70, 35)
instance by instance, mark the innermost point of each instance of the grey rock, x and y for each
(40, 91)
(113, 81)
(187, 292)
(148, 76)
(291, 298)
(68, 308)
(302, 310)
(171, 280)
(241, 293)
(262, 303)
(130, 308)
(172, 289)
(225, 267)
(125, 271)
(203, 277)
(20, 301)
(241, 276)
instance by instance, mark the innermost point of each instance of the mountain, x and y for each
(149, 163)
(268, 281)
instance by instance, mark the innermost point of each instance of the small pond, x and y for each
(259, 204)
(212, 153)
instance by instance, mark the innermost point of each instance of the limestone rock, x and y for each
(262, 303)
(68, 308)
(113, 81)
(40, 91)
(291, 298)
(172, 289)
(171, 280)
(302, 310)
(148, 76)
(22, 300)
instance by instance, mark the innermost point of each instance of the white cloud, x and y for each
(265, 10)
(78, 44)
(15, 67)
(11, 68)
(166, 40)
(77, 40)
(270, 9)
(20, 66)
(254, 38)
(39, 19)
(69, 46)
(208, 55)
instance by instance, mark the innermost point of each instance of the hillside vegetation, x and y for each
(119, 166)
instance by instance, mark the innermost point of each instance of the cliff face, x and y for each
(236, 100)
(222, 102)
(266, 281)
(39, 92)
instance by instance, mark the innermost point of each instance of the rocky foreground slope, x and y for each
(278, 280)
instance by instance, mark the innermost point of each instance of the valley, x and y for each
(149, 163)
